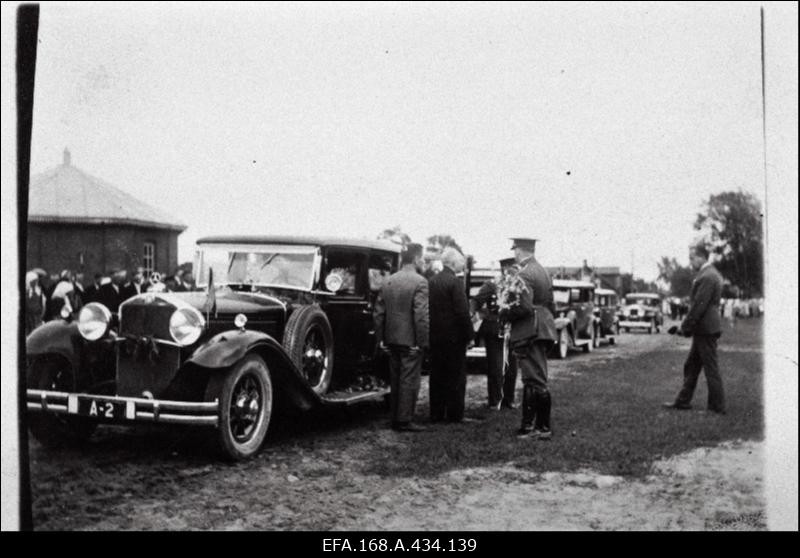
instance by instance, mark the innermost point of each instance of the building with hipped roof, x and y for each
(82, 223)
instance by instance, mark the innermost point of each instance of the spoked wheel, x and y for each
(563, 344)
(245, 406)
(308, 339)
(315, 358)
(56, 429)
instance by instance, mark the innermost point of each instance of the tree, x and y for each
(396, 235)
(442, 241)
(678, 278)
(731, 225)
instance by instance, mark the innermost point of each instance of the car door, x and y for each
(348, 308)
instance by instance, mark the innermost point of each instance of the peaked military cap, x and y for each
(522, 242)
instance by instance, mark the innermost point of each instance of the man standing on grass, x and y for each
(451, 331)
(401, 326)
(533, 331)
(702, 324)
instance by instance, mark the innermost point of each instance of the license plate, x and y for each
(99, 408)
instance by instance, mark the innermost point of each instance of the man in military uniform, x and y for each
(533, 332)
(500, 381)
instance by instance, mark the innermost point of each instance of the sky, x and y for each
(597, 128)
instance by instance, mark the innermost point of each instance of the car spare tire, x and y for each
(308, 340)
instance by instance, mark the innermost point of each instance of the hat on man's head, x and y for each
(524, 243)
(505, 262)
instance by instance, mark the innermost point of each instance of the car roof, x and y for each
(572, 284)
(302, 240)
(605, 292)
(643, 295)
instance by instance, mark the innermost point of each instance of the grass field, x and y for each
(606, 415)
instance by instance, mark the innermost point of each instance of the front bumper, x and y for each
(644, 324)
(135, 408)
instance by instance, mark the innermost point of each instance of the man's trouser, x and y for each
(703, 355)
(448, 381)
(501, 384)
(532, 362)
(405, 368)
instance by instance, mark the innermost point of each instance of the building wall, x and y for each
(97, 248)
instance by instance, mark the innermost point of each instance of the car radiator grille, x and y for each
(147, 320)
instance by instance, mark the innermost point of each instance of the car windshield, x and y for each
(642, 300)
(561, 296)
(271, 266)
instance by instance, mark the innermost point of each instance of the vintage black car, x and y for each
(576, 323)
(606, 308)
(642, 311)
(280, 324)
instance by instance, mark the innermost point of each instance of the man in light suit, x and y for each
(702, 324)
(533, 331)
(401, 325)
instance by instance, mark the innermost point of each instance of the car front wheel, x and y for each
(55, 429)
(589, 347)
(245, 406)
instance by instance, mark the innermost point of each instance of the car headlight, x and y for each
(186, 325)
(93, 321)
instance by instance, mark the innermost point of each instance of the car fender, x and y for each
(229, 347)
(55, 337)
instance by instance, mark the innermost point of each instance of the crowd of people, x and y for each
(52, 297)
(415, 315)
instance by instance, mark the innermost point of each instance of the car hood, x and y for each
(233, 302)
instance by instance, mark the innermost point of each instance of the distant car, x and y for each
(606, 308)
(642, 311)
(283, 324)
(576, 324)
(477, 277)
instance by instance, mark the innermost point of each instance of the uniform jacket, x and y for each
(533, 318)
(703, 317)
(449, 310)
(401, 310)
(485, 304)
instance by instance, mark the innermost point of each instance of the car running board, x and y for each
(345, 398)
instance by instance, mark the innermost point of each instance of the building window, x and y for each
(149, 258)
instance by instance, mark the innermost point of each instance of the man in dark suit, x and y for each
(111, 294)
(501, 374)
(533, 331)
(451, 331)
(93, 291)
(702, 324)
(401, 325)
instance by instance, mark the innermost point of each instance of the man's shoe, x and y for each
(495, 407)
(470, 420)
(409, 427)
(525, 431)
(680, 407)
(507, 405)
(717, 411)
(542, 434)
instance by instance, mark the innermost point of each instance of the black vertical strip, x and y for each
(27, 36)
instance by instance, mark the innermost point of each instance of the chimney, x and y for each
(67, 157)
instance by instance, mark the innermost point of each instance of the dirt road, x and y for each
(339, 471)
